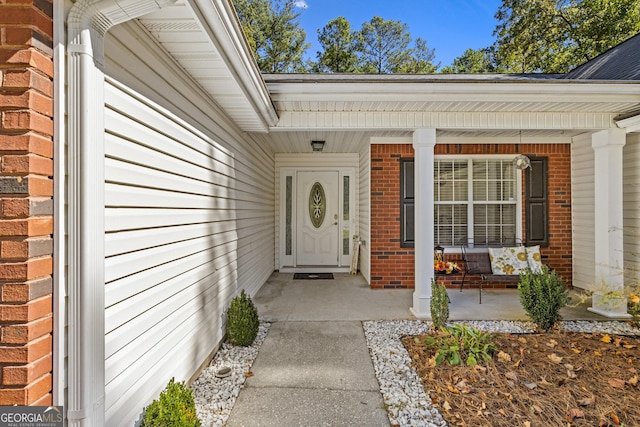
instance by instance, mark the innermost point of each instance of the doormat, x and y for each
(313, 276)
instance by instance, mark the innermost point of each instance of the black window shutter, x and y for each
(407, 202)
(537, 202)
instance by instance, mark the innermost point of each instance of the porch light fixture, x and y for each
(521, 162)
(317, 145)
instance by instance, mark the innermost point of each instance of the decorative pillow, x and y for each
(534, 259)
(507, 261)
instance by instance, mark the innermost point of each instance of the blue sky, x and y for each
(449, 26)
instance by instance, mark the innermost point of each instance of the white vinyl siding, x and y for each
(631, 199)
(189, 222)
(582, 212)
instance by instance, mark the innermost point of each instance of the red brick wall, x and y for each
(393, 266)
(26, 205)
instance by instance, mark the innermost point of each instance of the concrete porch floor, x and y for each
(349, 297)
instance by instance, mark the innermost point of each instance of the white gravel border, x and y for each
(402, 391)
(215, 396)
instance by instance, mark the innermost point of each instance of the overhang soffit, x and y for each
(202, 39)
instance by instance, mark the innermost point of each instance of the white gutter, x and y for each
(630, 124)
(87, 24)
(504, 91)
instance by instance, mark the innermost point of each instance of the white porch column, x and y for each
(609, 251)
(424, 140)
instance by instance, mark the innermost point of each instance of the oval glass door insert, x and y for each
(317, 205)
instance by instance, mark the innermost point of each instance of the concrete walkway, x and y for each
(314, 368)
(311, 374)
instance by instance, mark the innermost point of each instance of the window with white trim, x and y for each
(475, 201)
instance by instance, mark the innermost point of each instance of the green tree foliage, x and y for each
(274, 33)
(384, 46)
(337, 56)
(554, 36)
(420, 60)
(473, 61)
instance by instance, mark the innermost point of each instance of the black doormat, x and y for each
(313, 276)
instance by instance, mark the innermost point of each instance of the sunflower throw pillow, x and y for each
(509, 260)
(534, 259)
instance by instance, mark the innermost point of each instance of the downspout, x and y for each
(87, 23)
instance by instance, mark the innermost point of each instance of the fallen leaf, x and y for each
(574, 413)
(446, 406)
(617, 382)
(527, 424)
(618, 341)
(523, 340)
(502, 412)
(552, 343)
(479, 368)
(597, 353)
(587, 401)
(530, 386)
(615, 418)
(555, 358)
(544, 381)
(633, 381)
(512, 376)
(504, 357)
(537, 409)
(575, 350)
(432, 362)
(452, 390)
(463, 386)
(629, 346)
(248, 374)
(571, 374)
(606, 338)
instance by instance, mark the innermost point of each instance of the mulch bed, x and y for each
(549, 379)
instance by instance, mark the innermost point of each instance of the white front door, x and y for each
(317, 218)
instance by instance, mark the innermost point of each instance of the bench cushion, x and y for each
(508, 260)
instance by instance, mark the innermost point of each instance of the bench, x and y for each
(479, 263)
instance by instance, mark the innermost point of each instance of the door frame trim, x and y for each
(286, 262)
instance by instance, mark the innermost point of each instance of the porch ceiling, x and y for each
(345, 141)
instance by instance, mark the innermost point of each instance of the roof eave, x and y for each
(218, 18)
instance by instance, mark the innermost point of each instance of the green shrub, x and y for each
(242, 321)
(439, 305)
(542, 295)
(459, 343)
(175, 407)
